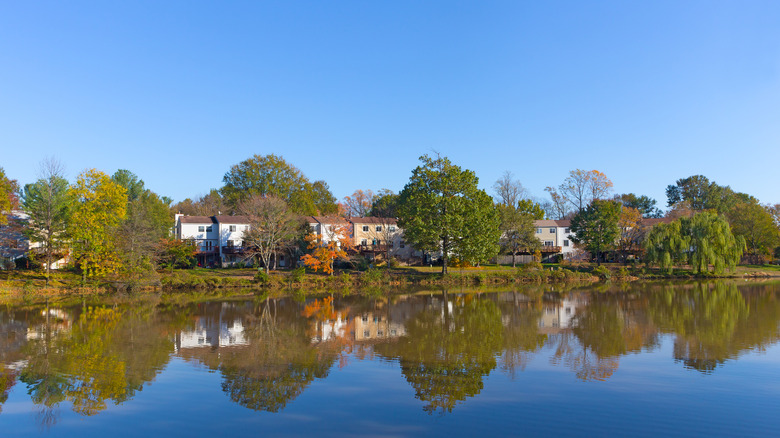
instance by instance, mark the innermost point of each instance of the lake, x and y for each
(641, 359)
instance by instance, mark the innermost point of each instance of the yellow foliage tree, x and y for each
(324, 253)
(99, 206)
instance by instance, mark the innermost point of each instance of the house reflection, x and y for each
(214, 331)
(558, 316)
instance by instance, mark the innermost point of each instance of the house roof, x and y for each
(197, 220)
(224, 219)
(552, 223)
(373, 220)
(327, 220)
(649, 222)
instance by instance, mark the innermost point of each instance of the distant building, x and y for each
(219, 239)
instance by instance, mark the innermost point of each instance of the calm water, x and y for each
(645, 360)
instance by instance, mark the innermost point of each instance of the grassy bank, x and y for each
(30, 286)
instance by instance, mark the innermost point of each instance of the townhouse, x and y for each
(219, 239)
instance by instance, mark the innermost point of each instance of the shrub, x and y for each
(602, 272)
(298, 274)
(261, 277)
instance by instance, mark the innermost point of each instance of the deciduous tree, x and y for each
(173, 252)
(644, 204)
(442, 209)
(583, 186)
(359, 204)
(48, 206)
(755, 224)
(99, 206)
(325, 251)
(509, 191)
(271, 175)
(8, 196)
(385, 204)
(271, 226)
(596, 227)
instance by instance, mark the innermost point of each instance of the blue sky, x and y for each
(354, 92)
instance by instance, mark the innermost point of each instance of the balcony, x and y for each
(233, 249)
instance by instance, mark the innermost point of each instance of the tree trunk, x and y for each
(445, 256)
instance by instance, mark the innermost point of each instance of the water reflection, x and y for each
(267, 352)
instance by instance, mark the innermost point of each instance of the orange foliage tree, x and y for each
(324, 253)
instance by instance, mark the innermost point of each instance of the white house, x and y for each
(219, 239)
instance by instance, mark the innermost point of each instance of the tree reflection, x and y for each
(106, 355)
(605, 329)
(277, 362)
(521, 333)
(713, 322)
(450, 347)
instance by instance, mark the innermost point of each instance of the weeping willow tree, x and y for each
(666, 246)
(702, 240)
(712, 243)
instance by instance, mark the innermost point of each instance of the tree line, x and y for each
(114, 224)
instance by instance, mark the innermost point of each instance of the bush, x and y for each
(602, 272)
(372, 275)
(530, 266)
(261, 277)
(297, 275)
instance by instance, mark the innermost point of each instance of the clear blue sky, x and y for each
(354, 92)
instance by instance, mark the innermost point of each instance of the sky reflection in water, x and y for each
(646, 360)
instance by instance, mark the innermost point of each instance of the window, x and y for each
(232, 228)
(231, 243)
(552, 230)
(538, 231)
(391, 228)
(548, 243)
(365, 228)
(201, 229)
(565, 242)
(208, 229)
(364, 242)
(366, 333)
(566, 230)
(379, 228)
(380, 333)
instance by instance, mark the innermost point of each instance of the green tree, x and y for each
(517, 231)
(666, 246)
(173, 252)
(702, 240)
(148, 221)
(385, 204)
(755, 224)
(442, 209)
(130, 181)
(47, 203)
(530, 208)
(270, 175)
(596, 227)
(712, 243)
(99, 206)
(644, 204)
